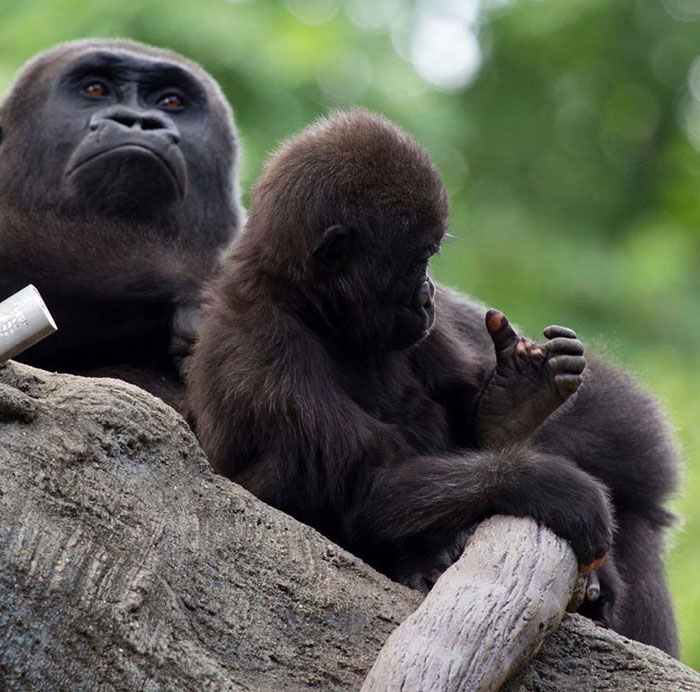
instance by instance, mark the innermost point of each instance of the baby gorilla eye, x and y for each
(95, 90)
(171, 102)
(418, 266)
(421, 263)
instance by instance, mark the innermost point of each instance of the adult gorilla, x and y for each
(118, 189)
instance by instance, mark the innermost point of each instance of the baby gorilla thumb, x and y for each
(499, 328)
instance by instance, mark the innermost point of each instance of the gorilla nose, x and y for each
(131, 118)
(425, 296)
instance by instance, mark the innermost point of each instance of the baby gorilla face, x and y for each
(415, 315)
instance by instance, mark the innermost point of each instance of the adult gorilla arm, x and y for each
(110, 292)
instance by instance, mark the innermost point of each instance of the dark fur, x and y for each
(299, 397)
(121, 260)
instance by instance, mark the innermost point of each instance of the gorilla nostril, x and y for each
(125, 119)
(129, 118)
(152, 123)
(132, 119)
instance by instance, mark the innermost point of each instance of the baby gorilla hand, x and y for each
(529, 383)
(558, 494)
(588, 526)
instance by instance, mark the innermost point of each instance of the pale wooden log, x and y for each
(486, 616)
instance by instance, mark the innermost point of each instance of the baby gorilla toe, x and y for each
(604, 590)
(593, 586)
(503, 335)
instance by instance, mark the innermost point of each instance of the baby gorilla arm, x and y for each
(427, 493)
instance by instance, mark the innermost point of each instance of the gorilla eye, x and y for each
(416, 267)
(171, 102)
(95, 90)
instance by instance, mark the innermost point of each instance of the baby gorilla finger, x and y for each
(555, 330)
(568, 383)
(592, 566)
(567, 364)
(499, 328)
(527, 354)
(537, 353)
(565, 345)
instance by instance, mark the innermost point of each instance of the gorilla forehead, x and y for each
(127, 65)
(359, 155)
(355, 168)
(38, 74)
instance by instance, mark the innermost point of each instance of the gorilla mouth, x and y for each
(138, 149)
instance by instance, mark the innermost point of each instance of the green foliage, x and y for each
(572, 159)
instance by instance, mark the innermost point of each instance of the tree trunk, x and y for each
(486, 616)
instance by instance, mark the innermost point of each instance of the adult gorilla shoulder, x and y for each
(334, 381)
(118, 190)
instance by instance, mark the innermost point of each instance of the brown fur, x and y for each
(299, 396)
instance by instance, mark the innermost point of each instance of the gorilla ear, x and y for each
(334, 248)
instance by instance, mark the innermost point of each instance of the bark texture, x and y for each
(494, 606)
(126, 564)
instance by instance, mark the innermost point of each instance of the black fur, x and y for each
(306, 391)
(118, 192)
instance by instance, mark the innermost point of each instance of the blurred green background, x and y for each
(568, 134)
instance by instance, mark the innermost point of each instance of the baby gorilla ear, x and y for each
(335, 247)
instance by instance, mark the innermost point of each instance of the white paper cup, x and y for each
(24, 320)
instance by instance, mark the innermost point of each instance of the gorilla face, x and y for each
(118, 193)
(123, 119)
(415, 312)
(374, 285)
(118, 129)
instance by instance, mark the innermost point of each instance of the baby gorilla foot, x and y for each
(604, 591)
(529, 383)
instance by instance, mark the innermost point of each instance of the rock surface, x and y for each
(126, 564)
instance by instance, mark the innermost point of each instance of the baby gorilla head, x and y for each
(345, 218)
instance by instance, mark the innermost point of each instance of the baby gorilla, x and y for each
(337, 383)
